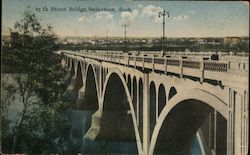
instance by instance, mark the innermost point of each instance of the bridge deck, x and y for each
(224, 70)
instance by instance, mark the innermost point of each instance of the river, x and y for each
(80, 121)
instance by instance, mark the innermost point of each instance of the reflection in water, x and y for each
(81, 121)
(195, 148)
(102, 146)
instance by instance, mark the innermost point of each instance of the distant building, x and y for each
(73, 41)
(231, 41)
(101, 42)
(201, 41)
(143, 40)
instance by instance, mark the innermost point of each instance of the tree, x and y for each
(38, 82)
(26, 98)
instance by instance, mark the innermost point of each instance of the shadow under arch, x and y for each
(71, 68)
(134, 98)
(70, 71)
(124, 75)
(172, 92)
(79, 77)
(152, 93)
(180, 120)
(161, 98)
(71, 81)
(129, 82)
(91, 93)
(69, 62)
(140, 85)
(118, 120)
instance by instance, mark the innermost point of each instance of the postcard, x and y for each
(125, 77)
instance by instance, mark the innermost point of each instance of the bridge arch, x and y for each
(134, 93)
(177, 105)
(125, 76)
(103, 73)
(107, 71)
(140, 85)
(129, 83)
(162, 101)
(75, 62)
(64, 62)
(91, 88)
(72, 67)
(153, 95)
(69, 62)
(79, 76)
(172, 92)
(121, 114)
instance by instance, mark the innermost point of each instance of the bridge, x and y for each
(162, 101)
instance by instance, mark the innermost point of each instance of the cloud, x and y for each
(192, 12)
(151, 10)
(129, 16)
(181, 17)
(82, 18)
(103, 15)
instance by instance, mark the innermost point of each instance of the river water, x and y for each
(80, 121)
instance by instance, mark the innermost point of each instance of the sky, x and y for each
(186, 18)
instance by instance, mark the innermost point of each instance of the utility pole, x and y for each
(125, 32)
(163, 14)
(107, 41)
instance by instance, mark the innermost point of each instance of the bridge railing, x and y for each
(209, 65)
(191, 64)
(181, 64)
(175, 53)
(215, 66)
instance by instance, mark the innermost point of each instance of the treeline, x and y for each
(135, 47)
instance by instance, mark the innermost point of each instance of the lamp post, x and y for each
(95, 43)
(107, 41)
(163, 14)
(125, 32)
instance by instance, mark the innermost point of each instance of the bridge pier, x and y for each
(64, 63)
(237, 128)
(94, 129)
(81, 96)
(137, 104)
(146, 115)
(214, 136)
(71, 94)
(69, 72)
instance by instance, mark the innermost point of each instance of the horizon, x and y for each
(187, 19)
(155, 37)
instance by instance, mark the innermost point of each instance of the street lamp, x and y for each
(163, 14)
(95, 43)
(125, 32)
(107, 41)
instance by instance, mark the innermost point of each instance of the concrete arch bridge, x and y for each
(162, 103)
